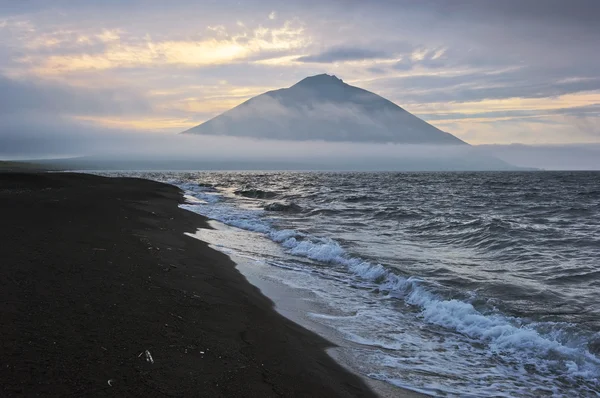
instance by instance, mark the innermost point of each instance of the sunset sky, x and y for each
(488, 72)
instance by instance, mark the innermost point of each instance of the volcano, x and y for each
(324, 108)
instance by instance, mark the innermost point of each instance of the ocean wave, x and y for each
(205, 185)
(203, 193)
(505, 336)
(284, 207)
(357, 198)
(398, 214)
(255, 193)
(324, 212)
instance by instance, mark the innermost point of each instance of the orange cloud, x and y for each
(222, 49)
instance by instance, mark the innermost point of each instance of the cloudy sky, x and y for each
(489, 72)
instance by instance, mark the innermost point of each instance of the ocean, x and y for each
(453, 284)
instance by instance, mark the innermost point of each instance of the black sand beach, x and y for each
(95, 272)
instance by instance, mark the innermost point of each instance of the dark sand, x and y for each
(94, 271)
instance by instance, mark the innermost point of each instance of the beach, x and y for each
(103, 294)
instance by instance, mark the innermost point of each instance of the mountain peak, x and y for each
(323, 107)
(323, 78)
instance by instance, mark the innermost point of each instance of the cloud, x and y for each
(376, 70)
(549, 157)
(111, 49)
(519, 82)
(577, 12)
(37, 97)
(542, 127)
(60, 107)
(575, 111)
(343, 54)
(405, 64)
(47, 135)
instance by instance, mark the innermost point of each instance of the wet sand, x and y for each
(99, 284)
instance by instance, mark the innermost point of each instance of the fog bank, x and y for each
(148, 150)
(55, 137)
(548, 157)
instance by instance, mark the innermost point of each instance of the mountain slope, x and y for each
(323, 107)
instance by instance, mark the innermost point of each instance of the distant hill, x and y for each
(323, 107)
(469, 163)
(21, 166)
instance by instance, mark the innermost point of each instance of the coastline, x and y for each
(297, 304)
(102, 293)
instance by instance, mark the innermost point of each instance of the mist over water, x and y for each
(450, 283)
(92, 148)
(185, 152)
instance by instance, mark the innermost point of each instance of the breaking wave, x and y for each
(548, 346)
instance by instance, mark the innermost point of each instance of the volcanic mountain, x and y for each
(323, 107)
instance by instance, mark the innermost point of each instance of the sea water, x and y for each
(455, 284)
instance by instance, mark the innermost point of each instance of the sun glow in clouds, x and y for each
(223, 49)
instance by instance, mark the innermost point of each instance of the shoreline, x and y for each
(102, 293)
(296, 304)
